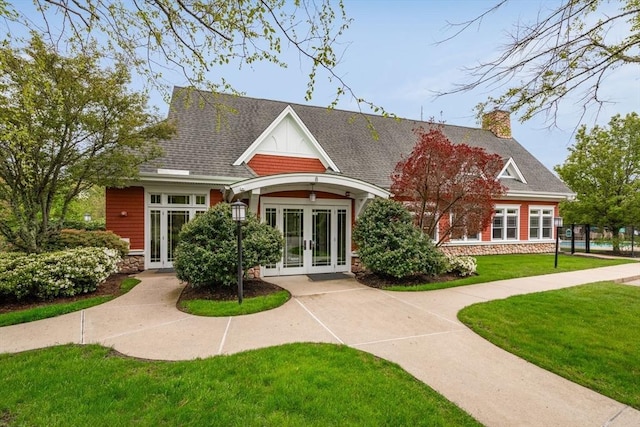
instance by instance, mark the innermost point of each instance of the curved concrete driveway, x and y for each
(419, 331)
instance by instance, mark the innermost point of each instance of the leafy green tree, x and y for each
(570, 48)
(603, 169)
(207, 254)
(198, 37)
(65, 125)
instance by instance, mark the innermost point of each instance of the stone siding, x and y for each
(499, 249)
(131, 264)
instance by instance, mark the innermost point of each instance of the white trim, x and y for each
(185, 179)
(288, 111)
(512, 169)
(542, 195)
(506, 207)
(307, 178)
(541, 208)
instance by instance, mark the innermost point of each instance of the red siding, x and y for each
(263, 164)
(215, 197)
(125, 214)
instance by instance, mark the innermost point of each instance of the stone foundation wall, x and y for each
(131, 264)
(476, 250)
(253, 273)
(518, 248)
(356, 265)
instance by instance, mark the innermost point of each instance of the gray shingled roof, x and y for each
(209, 140)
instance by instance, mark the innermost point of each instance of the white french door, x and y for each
(316, 238)
(167, 214)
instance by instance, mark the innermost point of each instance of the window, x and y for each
(174, 199)
(201, 200)
(540, 223)
(505, 224)
(156, 199)
(459, 232)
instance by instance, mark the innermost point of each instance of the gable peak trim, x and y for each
(287, 112)
(511, 171)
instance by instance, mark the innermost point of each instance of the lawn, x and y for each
(501, 267)
(587, 334)
(204, 307)
(291, 385)
(54, 309)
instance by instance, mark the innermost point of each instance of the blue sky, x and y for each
(392, 59)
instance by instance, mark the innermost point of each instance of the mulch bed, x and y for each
(376, 281)
(251, 288)
(111, 286)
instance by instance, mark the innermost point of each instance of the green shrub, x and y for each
(389, 243)
(93, 225)
(55, 274)
(68, 239)
(207, 252)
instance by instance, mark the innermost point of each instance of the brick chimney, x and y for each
(498, 122)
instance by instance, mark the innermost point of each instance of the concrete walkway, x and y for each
(417, 330)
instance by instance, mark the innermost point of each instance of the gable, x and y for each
(511, 171)
(287, 137)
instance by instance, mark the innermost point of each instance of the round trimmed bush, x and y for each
(207, 254)
(389, 243)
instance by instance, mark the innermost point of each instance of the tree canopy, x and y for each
(65, 124)
(603, 169)
(197, 37)
(568, 51)
(448, 187)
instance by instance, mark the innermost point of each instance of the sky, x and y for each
(391, 57)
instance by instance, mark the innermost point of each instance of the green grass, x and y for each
(291, 385)
(201, 307)
(587, 334)
(501, 267)
(57, 309)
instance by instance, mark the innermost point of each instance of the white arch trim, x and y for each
(290, 179)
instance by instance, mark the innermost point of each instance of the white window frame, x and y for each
(465, 237)
(504, 210)
(541, 215)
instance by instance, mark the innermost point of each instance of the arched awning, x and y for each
(360, 191)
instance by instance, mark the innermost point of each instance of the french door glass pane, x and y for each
(155, 236)
(175, 221)
(321, 237)
(271, 220)
(292, 230)
(342, 237)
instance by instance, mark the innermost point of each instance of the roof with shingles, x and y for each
(209, 139)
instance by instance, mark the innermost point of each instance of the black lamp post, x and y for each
(557, 222)
(239, 214)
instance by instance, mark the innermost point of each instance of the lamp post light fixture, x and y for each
(557, 223)
(239, 214)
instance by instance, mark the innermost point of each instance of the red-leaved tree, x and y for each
(448, 185)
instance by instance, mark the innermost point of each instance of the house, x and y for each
(310, 171)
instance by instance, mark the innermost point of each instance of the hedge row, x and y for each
(55, 274)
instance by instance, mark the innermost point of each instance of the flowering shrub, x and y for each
(461, 265)
(56, 274)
